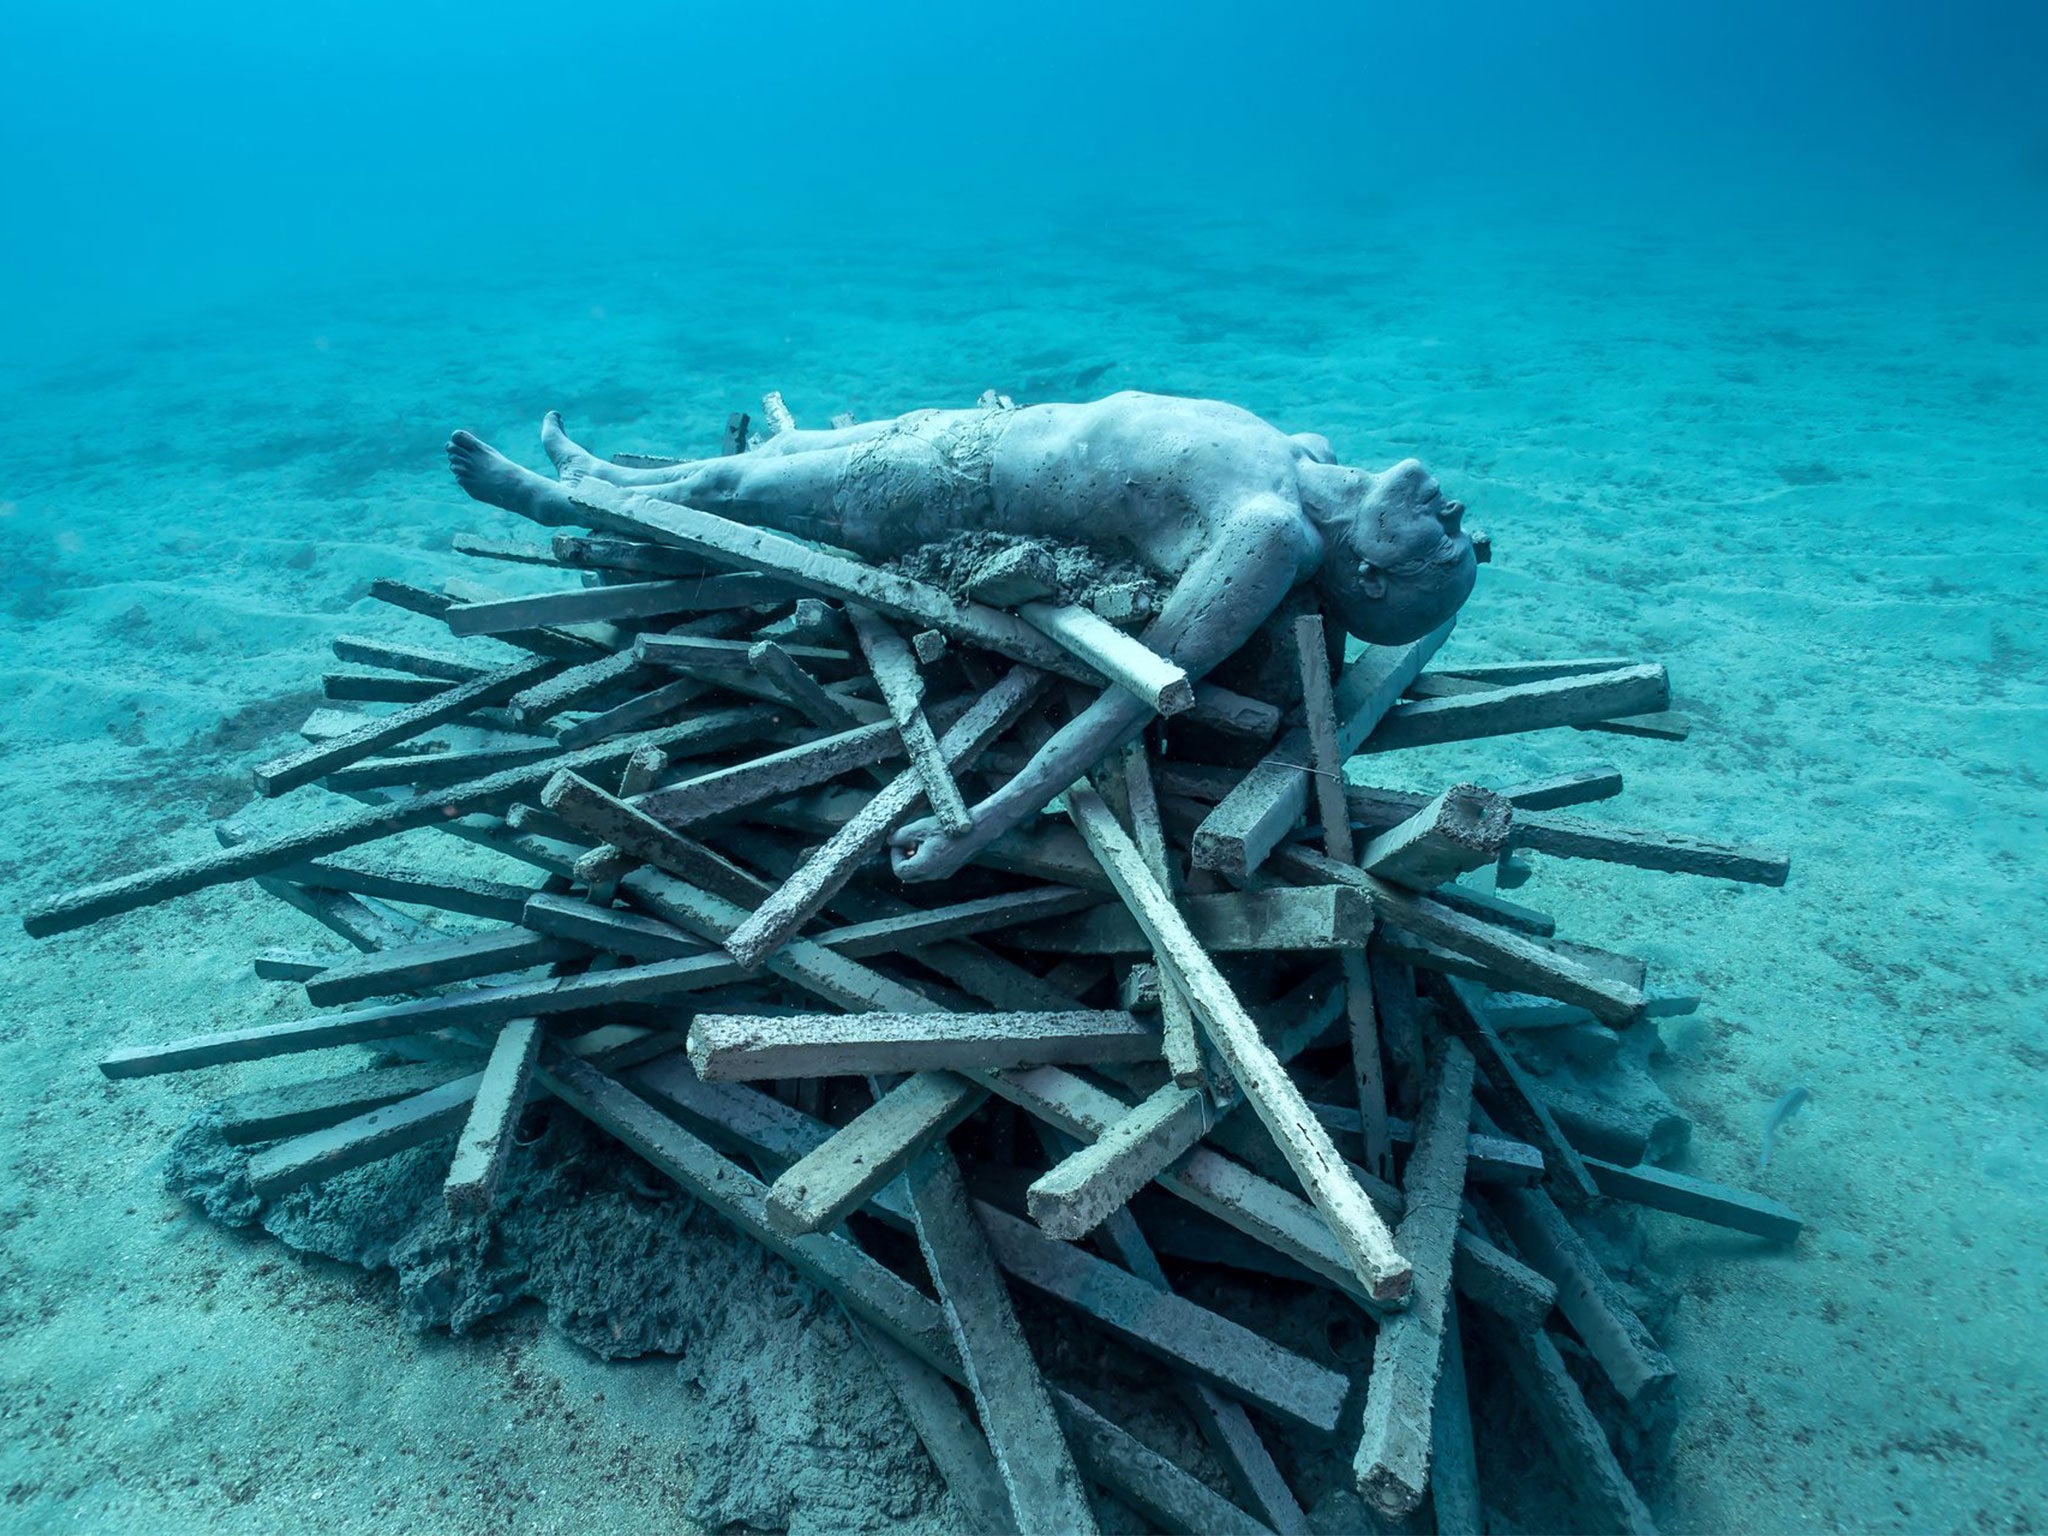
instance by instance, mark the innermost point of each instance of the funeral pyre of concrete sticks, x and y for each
(1224, 1007)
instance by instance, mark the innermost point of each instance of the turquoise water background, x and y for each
(1730, 324)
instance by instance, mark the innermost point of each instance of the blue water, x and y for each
(1729, 322)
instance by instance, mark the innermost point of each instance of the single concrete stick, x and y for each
(1367, 1244)
(1391, 1467)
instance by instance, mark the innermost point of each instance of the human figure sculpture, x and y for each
(1227, 510)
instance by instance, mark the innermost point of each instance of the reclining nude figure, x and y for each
(1232, 513)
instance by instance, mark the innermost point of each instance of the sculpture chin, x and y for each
(1408, 607)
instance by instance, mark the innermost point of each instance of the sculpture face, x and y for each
(1399, 562)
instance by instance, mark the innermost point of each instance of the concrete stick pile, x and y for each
(1169, 1031)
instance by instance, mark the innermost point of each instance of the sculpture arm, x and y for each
(1230, 590)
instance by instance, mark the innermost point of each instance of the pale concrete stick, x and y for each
(895, 671)
(1463, 828)
(1661, 724)
(434, 770)
(1662, 1190)
(954, 1441)
(817, 1192)
(632, 836)
(728, 1047)
(478, 548)
(1515, 1103)
(473, 1008)
(1497, 674)
(1569, 837)
(1326, 776)
(1281, 918)
(1523, 963)
(1632, 690)
(1236, 836)
(624, 601)
(1183, 1049)
(436, 962)
(271, 1114)
(1491, 908)
(1134, 1146)
(869, 1291)
(1454, 1503)
(826, 1185)
(89, 904)
(735, 440)
(584, 643)
(810, 697)
(1101, 647)
(378, 688)
(1038, 1472)
(581, 552)
(486, 1139)
(1222, 1421)
(726, 542)
(827, 871)
(758, 1126)
(1233, 713)
(1082, 1189)
(1590, 1300)
(415, 661)
(1596, 781)
(773, 776)
(640, 710)
(608, 861)
(1391, 1466)
(1357, 1226)
(1153, 1485)
(1209, 1346)
(1575, 1436)
(1566, 837)
(576, 687)
(499, 900)
(289, 964)
(287, 773)
(367, 1138)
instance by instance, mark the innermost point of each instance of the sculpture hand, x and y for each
(925, 850)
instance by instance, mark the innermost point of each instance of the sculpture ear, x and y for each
(1372, 581)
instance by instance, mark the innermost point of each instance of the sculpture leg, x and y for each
(789, 492)
(572, 458)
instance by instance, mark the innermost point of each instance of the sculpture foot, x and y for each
(569, 458)
(490, 477)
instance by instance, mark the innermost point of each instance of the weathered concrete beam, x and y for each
(1358, 1228)
(88, 904)
(1045, 1488)
(727, 1047)
(486, 1139)
(1463, 828)
(1101, 647)
(895, 672)
(1391, 1465)
(1235, 838)
(1215, 1350)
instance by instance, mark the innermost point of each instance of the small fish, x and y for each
(1781, 1111)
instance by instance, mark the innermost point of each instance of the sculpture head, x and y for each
(1397, 561)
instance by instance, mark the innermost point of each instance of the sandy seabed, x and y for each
(1801, 466)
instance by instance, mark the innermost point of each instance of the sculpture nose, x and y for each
(1452, 515)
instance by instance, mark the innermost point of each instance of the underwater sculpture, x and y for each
(1228, 509)
(700, 764)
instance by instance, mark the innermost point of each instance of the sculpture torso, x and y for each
(1144, 477)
